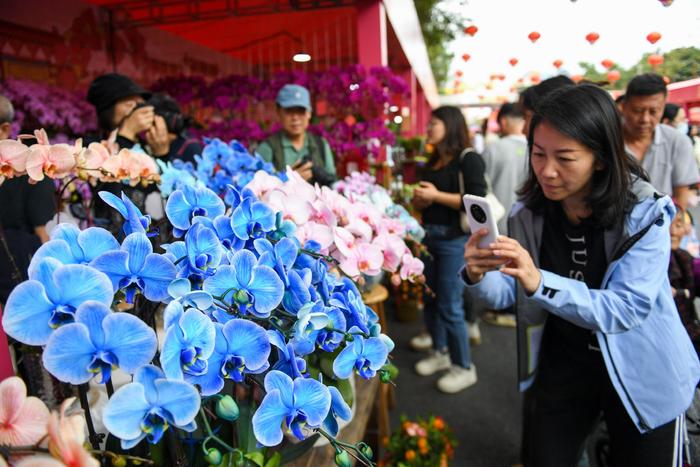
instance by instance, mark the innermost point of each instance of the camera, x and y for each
(477, 213)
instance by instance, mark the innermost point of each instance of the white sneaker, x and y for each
(457, 379)
(422, 342)
(474, 333)
(435, 362)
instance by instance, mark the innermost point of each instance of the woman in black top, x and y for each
(440, 200)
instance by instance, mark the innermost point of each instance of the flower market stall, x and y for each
(228, 334)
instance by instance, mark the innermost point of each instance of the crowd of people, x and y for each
(594, 264)
(589, 265)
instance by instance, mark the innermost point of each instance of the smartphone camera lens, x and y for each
(477, 213)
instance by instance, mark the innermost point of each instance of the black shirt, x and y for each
(446, 179)
(23, 207)
(576, 252)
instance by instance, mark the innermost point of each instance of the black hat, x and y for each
(107, 89)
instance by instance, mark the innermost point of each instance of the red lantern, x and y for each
(501, 77)
(513, 61)
(481, 97)
(613, 76)
(533, 36)
(653, 37)
(466, 57)
(557, 63)
(459, 73)
(655, 60)
(607, 63)
(576, 78)
(471, 30)
(534, 79)
(493, 77)
(666, 3)
(591, 37)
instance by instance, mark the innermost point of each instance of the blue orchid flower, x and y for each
(174, 175)
(280, 256)
(298, 404)
(38, 306)
(332, 335)
(324, 283)
(364, 355)
(284, 228)
(247, 285)
(135, 268)
(229, 240)
(189, 202)
(287, 360)
(70, 245)
(181, 291)
(188, 344)
(241, 347)
(204, 251)
(299, 291)
(134, 220)
(311, 318)
(347, 298)
(98, 342)
(252, 219)
(339, 409)
(146, 407)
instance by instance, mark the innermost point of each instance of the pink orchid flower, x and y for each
(38, 461)
(321, 234)
(66, 430)
(411, 267)
(393, 248)
(264, 183)
(392, 226)
(22, 419)
(92, 158)
(365, 258)
(13, 158)
(54, 161)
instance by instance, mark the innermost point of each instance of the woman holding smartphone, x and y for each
(438, 196)
(586, 270)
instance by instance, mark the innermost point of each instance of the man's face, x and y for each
(295, 120)
(641, 114)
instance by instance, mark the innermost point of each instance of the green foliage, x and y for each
(440, 27)
(679, 65)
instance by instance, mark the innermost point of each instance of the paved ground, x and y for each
(485, 417)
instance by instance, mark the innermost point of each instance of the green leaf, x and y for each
(246, 437)
(297, 450)
(345, 388)
(256, 457)
(275, 460)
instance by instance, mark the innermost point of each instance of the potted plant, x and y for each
(421, 443)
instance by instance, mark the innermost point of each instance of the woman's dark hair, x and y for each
(587, 114)
(105, 121)
(670, 113)
(456, 133)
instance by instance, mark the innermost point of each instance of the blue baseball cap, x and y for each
(293, 95)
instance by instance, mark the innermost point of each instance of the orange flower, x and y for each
(422, 443)
(439, 423)
(410, 455)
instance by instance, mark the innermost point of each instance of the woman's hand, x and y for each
(157, 137)
(138, 121)
(479, 261)
(518, 263)
(425, 193)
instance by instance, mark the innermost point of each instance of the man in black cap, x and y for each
(120, 105)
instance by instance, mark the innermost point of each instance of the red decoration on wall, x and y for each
(534, 36)
(592, 37)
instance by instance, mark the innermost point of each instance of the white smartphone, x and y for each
(479, 216)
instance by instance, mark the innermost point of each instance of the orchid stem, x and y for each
(112, 455)
(95, 438)
(349, 448)
(211, 435)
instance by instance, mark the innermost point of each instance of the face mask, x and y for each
(693, 199)
(682, 128)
